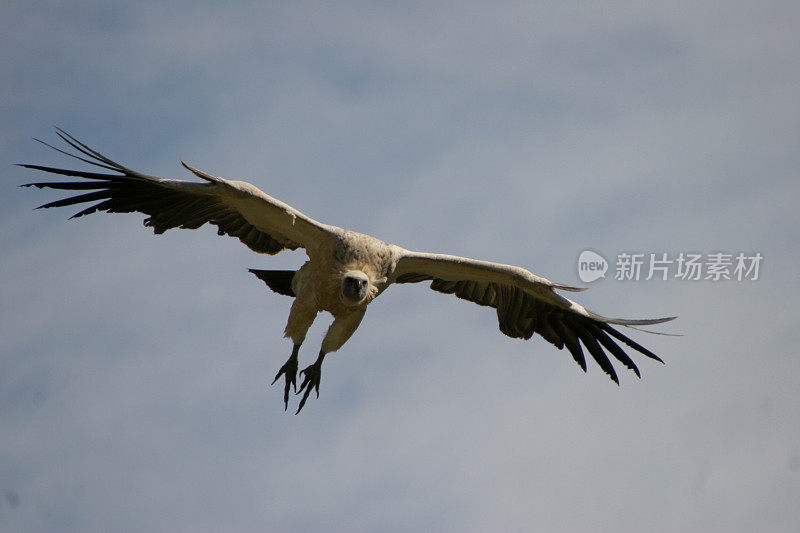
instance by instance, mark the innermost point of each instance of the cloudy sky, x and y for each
(135, 370)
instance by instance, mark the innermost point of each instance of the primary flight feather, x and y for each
(345, 270)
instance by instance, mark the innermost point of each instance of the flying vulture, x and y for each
(345, 270)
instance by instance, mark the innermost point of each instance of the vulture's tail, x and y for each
(279, 281)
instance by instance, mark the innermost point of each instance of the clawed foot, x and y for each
(289, 369)
(312, 375)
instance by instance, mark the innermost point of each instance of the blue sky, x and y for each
(135, 370)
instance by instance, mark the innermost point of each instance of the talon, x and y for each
(289, 370)
(312, 375)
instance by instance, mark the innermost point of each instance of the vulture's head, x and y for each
(356, 287)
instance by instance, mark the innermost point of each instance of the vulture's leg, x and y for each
(312, 376)
(341, 329)
(289, 370)
(301, 316)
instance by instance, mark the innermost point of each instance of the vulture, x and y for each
(345, 270)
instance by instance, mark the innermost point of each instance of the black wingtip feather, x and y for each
(79, 199)
(614, 349)
(79, 158)
(595, 350)
(571, 342)
(633, 344)
(74, 173)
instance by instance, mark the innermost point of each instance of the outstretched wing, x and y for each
(526, 304)
(237, 208)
